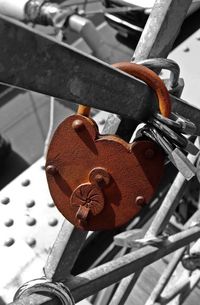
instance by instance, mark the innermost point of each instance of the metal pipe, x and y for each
(13, 8)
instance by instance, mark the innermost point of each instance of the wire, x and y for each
(50, 129)
(74, 3)
(110, 10)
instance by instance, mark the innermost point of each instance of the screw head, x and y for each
(149, 153)
(78, 125)
(51, 170)
(140, 201)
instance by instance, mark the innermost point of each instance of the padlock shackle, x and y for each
(150, 78)
(153, 80)
(83, 110)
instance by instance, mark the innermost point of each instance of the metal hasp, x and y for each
(33, 61)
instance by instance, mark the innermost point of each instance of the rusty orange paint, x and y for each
(129, 172)
(100, 182)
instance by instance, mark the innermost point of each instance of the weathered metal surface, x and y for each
(77, 78)
(161, 29)
(90, 282)
(64, 252)
(158, 224)
(165, 277)
(76, 151)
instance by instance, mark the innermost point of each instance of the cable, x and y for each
(50, 129)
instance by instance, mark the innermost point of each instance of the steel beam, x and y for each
(33, 61)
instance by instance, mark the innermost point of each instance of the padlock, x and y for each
(101, 182)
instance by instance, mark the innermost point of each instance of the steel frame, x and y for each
(42, 72)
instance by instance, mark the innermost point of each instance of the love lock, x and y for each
(100, 182)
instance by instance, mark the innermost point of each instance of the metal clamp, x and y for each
(58, 290)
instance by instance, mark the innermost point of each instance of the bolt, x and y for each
(78, 125)
(9, 242)
(149, 153)
(140, 201)
(51, 170)
(9, 222)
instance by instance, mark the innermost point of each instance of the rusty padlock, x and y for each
(100, 182)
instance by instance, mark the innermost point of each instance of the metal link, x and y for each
(177, 123)
(176, 138)
(164, 63)
(58, 290)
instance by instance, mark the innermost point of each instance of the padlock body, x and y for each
(134, 170)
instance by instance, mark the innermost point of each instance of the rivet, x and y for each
(53, 222)
(149, 153)
(31, 241)
(31, 221)
(102, 121)
(9, 222)
(140, 201)
(51, 204)
(26, 182)
(30, 204)
(5, 200)
(78, 125)
(99, 179)
(186, 50)
(51, 170)
(9, 242)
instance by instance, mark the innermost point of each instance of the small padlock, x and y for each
(100, 182)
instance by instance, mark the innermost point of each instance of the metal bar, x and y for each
(160, 221)
(170, 202)
(111, 272)
(89, 282)
(158, 40)
(165, 277)
(64, 252)
(182, 283)
(193, 282)
(163, 280)
(33, 61)
(124, 289)
(185, 284)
